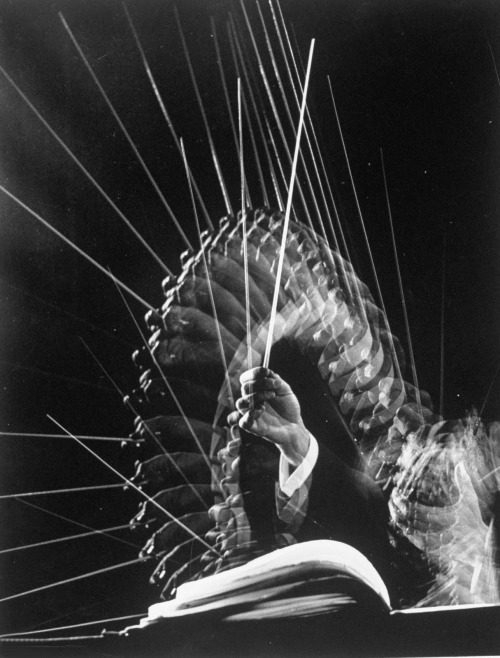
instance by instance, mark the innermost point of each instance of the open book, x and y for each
(299, 580)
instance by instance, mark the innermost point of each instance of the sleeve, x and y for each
(292, 490)
(290, 482)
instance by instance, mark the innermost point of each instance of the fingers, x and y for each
(408, 418)
(249, 421)
(254, 400)
(259, 380)
(172, 469)
(246, 417)
(262, 390)
(172, 534)
(258, 385)
(233, 418)
(255, 374)
(418, 517)
(250, 409)
(183, 499)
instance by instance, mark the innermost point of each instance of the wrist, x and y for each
(297, 446)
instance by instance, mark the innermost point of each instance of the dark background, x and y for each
(415, 78)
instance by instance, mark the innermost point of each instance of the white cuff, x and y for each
(289, 483)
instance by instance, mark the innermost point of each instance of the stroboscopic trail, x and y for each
(430, 102)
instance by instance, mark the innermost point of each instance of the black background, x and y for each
(415, 78)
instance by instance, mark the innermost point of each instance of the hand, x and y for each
(269, 408)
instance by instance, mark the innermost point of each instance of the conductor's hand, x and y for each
(269, 408)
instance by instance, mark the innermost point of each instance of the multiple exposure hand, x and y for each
(269, 408)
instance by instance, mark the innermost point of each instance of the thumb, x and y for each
(250, 421)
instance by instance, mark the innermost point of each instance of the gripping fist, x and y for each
(269, 408)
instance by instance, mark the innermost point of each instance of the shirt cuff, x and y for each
(289, 483)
